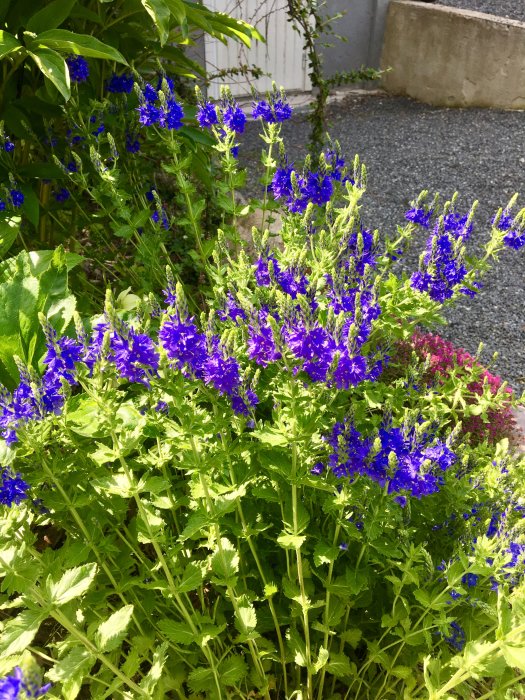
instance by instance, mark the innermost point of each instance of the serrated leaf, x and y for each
(270, 589)
(270, 437)
(178, 632)
(71, 671)
(514, 656)
(73, 584)
(201, 679)
(232, 670)
(325, 553)
(19, 632)
(150, 681)
(191, 578)
(340, 666)
(245, 619)
(111, 632)
(352, 636)
(287, 541)
(322, 659)
(225, 561)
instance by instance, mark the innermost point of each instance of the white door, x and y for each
(281, 56)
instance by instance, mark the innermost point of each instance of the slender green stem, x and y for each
(326, 608)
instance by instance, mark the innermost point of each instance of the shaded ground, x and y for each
(407, 147)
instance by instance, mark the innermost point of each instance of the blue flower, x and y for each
(9, 146)
(184, 344)
(456, 639)
(19, 686)
(135, 355)
(261, 342)
(132, 143)
(2, 205)
(150, 94)
(16, 198)
(207, 115)
(13, 489)
(171, 117)
(162, 219)
(120, 83)
(276, 110)
(234, 118)
(148, 114)
(222, 372)
(420, 216)
(78, 68)
(62, 194)
(470, 580)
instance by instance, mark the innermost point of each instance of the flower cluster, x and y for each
(403, 459)
(159, 107)
(225, 113)
(19, 686)
(316, 187)
(272, 110)
(514, 229)
(442, 266)
(13, 489)
(78, 68)
(120, 84)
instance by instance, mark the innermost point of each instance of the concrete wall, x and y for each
(363, 24)
(456, 58)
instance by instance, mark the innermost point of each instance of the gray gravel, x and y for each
(407, 147)
(511, 9)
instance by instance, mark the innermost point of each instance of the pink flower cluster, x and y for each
(443, 357)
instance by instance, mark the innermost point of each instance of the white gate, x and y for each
(281, 56)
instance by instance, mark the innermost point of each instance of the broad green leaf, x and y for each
(321, 660)
(84, 416)
(352, 636)
(149, 523)
(83, 44)
(31, 206)
(8, 44)
(50, 16)
(297, 646)
(201, 679)
(54, 67)
(225, 561)
(19, 632)
(9, 229)
(288, 541)
(270, 437)
(191, 579)
(71, 671)
(111, 632)
(245, 619)
(514, 656)
(177, 9)
(232, 670)
(340, 666)
(73, 584)
(325, 553)
(102, 455)
(42, 260)
(160, 14)
(178, 632)
(149, 682)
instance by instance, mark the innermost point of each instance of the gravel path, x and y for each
(408, 146)
(511, 9)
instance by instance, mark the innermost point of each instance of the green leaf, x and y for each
(83, 44)
(191, 579)
(8, 44)
(71, 671)
(270, 437)
(160, 14)
(149, 682)
(178, 632)
(84, 416)
(54, 67)
(325, 553)
(322, 659)
(19, 632)
(177, 9)
(287, 541)
(73, 584)
(50, 16)
(245, 619)
(340, 666)
(111, 632)
(225, 562)
(31, 206)
(201, 679)
(352, 636)
(514, 656)
(232, 670)
(9, 229)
